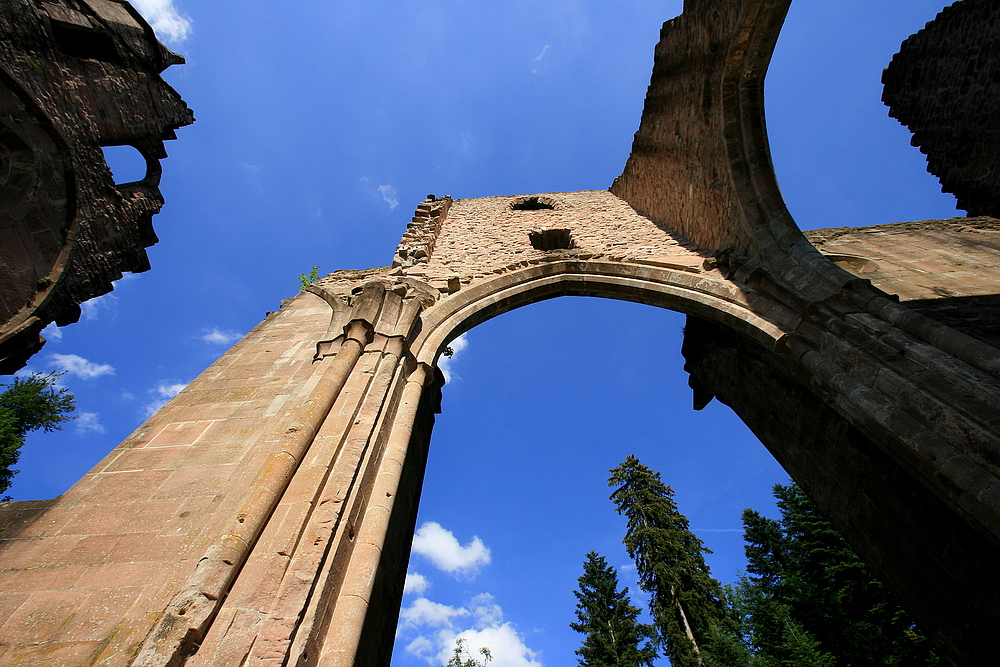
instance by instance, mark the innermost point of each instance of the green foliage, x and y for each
(685, 601)
(607, 617)
(307, 279)
(461, 657)
(29, 403)
(809, 600)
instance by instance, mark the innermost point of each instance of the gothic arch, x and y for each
(264, 515)
(672, 289)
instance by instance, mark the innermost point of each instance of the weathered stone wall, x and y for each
(939, 566)
(87, 575)
(943, 86)
(264, 515)
(948, 270)
(74, 77)
(677, 171)
(484, 236)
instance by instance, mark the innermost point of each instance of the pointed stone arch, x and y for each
(264, 515)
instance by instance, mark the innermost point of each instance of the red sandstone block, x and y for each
(42, 617)
(116, 519)
(9, 603)
(191, 515)
(56, 653)
(121, 575)
(155, 458)
(14, 517)
(194, 482)
(21, 554)
(40, 579)
(87, 550)
(118, 487)
(99, 614)
(173, 435)
(131, 547)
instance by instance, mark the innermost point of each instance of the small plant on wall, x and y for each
(307, 279)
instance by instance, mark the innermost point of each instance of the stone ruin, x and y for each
(264, 515)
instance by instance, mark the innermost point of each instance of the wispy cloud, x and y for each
(82, 368)
(162, 392)
(444, 363)
(415, 584)
(536, 62)
(389, 195)
(88, 421)
(168, 23)
(218, 336)
(52, 332)
(93, 309)
(437, 630)
(439, 546)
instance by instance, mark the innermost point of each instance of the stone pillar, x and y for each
(192, 610)
(324, 536)
(353, 605)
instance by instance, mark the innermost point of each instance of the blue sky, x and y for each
(321, 124)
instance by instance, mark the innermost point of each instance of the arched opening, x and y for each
(542, 401)
(127, 164)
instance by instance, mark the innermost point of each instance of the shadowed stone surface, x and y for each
(264, 515)
(944, 86)
(74, 77)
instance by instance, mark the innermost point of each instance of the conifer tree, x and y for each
(686, 603)
(809, 600)
(607, 617)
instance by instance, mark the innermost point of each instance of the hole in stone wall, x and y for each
(126, 163)
(532, 204)
(551, 239)
(84, 42)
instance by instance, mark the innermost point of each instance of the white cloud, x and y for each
(423, 612)
(165, 19)
(220, 337)
(504, 642)
(389, 195)
(439, 546)
(80, 367)
(91, 310)
(52, 332)
(415, 584)
(437, 632)
(486, 611)
(163, 393)
(444, 363)
(421, 646)
(536, 62)
(88, 421)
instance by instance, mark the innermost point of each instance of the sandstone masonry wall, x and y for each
(85, 576)
(943, 85)
(74, 77)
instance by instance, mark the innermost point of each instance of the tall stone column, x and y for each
(318, 553)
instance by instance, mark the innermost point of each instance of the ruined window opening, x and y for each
(126, 163)
(551, 239)
(84, 42)
(532, 204)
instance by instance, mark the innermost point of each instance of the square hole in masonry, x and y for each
(533, 203)
(551, 239)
